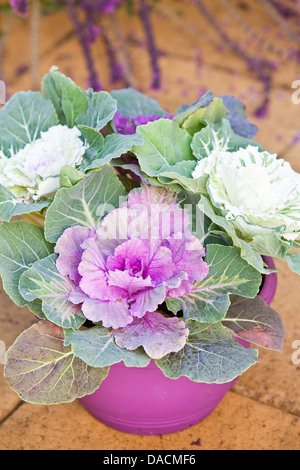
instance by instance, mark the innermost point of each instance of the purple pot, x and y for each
(144, 401)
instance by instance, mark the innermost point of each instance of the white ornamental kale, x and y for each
(34, 171)
(253, 189)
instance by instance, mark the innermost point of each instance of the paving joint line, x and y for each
(11, 412)
(267, 404)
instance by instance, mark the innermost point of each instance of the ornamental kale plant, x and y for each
(49, 140)
(132, 261)
(33, 172)
(243, 189)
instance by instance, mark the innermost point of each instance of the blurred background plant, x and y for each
(95, 21)
(87, 20)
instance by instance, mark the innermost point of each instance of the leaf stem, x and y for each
(31, 218)
(35, 19)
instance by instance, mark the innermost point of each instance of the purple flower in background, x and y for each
(141, 120)
(128, 125)
(109, 6)
(94, 83)
(295, 140)
(102, 6)
(124, 125)
(141, 254)
(20, 7)
(93, 32)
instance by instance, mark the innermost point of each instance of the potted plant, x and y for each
(151, 269)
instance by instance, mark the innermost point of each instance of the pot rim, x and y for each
(269, 285)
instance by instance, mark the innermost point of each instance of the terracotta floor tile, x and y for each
(238, 423)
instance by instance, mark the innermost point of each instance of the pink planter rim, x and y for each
(143, 401)
(269, 285)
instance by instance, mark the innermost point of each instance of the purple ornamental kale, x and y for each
(128, 125)
(20, 7)
(141, 254)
